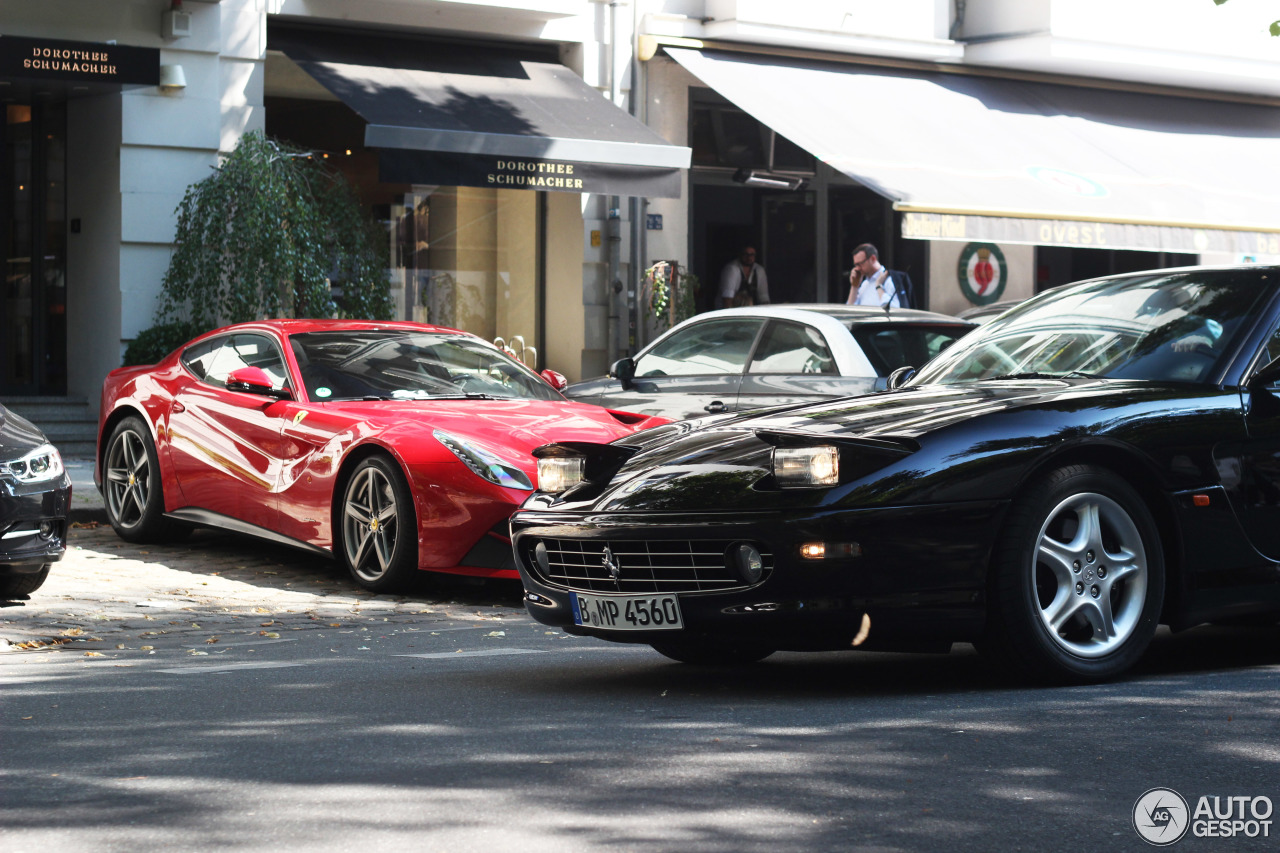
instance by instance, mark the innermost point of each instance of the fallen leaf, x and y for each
(335, 624)
(265, 624)
(212, 640)
(496, 634)
(93, 654)
(197, 652)
(73, 632)
(146, 648)
(271, 635)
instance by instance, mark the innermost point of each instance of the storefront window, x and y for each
(468, 258)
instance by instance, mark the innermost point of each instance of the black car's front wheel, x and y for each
(707, 652)
(131, 486)
(379, 530)
(1078, 578)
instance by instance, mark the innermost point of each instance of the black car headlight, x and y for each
(806, 467)
(39, 466)
(485, 464)
(560, 473)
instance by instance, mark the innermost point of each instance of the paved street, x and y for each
(225, 695)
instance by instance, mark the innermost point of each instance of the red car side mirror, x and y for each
(253, 380)
(555, 380)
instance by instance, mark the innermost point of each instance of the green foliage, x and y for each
(667, 304)
(1274, 29)
(155, 343)
(272, 233)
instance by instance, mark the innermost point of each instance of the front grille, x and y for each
(643, 565)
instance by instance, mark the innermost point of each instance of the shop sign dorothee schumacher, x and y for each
(87, 62)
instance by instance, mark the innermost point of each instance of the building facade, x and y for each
(530, 160)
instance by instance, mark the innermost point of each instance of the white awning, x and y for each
(968, 157)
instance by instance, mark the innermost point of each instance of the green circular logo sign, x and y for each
(983, 273)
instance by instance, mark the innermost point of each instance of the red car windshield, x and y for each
(398, 365)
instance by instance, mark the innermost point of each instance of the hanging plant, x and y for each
(273, 233)
(673, 293)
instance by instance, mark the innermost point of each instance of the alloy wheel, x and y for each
(128, 478)
(1090, 575)
(369, 527)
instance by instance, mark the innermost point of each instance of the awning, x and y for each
(465, 115)
(968, 157)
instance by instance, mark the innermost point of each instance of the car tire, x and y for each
(19, 586)
(378, 526)
(131, 486)
(712, 652)
(1077, 579)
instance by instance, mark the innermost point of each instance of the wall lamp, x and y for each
(172, 78)
(757, 178)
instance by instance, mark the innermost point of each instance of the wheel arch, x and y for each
(1143, 478)
(109, 424)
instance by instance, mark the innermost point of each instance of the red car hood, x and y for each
(517, 425)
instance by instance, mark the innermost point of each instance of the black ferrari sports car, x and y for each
(1100, 460)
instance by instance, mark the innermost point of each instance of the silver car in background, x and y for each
(770, 355)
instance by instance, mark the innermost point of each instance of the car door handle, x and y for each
(715, 407)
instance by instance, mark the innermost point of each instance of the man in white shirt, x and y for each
(743, 282)
(869, 282)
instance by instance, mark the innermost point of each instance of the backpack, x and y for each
(902, 285)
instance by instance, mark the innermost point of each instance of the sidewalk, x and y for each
(107, 594)
(86, 500)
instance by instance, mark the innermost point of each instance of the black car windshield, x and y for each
(405, 365)
(1173, 327)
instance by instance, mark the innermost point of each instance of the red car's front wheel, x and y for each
(131, 486)
(378, 526)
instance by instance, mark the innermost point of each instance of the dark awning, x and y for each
(969, 157)
(467, 115)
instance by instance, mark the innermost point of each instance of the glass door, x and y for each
(33, 302)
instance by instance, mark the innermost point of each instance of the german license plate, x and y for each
(627, 612)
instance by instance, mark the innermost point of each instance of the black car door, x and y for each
(1259, 464)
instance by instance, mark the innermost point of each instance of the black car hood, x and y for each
(18, 436)
(911, 413)
(905, 444)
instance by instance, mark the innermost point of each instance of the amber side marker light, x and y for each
(829, 550)
(1200, 500)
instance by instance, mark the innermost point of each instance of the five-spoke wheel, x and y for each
(1078, 578)
(1090, 575)
(131, 485)
(378, 526)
